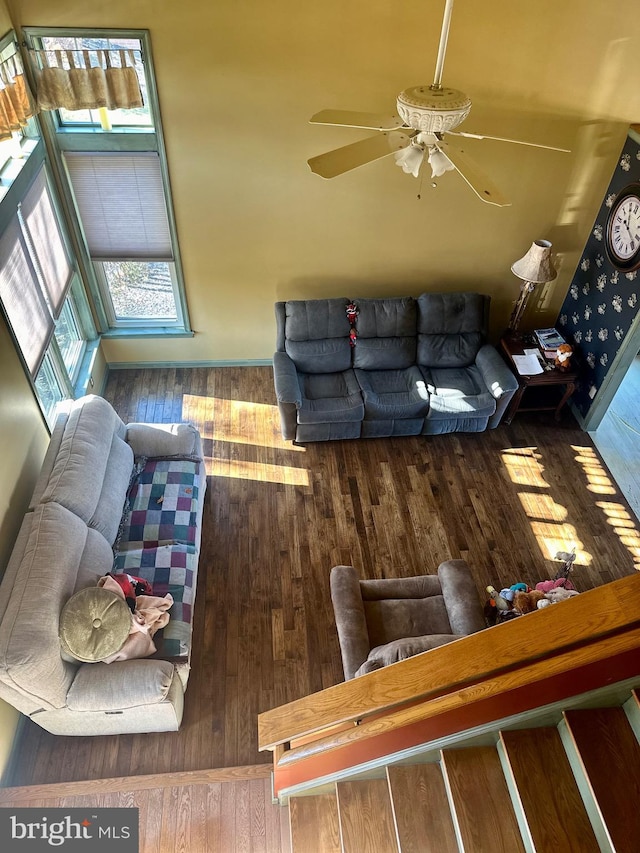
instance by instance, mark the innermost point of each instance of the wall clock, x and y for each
(622, 232)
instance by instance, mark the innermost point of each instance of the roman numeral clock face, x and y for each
(622, 236)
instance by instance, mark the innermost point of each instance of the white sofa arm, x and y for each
(162, 439)
(123, 684)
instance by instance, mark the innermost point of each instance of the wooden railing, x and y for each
(581, 644)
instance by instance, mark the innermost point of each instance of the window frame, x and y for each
(77, 138)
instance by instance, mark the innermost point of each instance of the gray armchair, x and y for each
(381, 622)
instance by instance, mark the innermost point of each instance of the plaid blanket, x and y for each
(158, 543)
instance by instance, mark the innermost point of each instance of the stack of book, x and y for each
(549, 340)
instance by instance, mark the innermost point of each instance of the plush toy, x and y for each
(559, 583)
(563, 356)
(526, 602)
(560, 594)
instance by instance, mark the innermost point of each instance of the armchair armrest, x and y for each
(350, 619)
(285, 377)
(499, 379)
(466, 615)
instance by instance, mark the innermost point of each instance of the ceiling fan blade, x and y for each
(347, 118)
(357, 154)
(482, 186)
(506, 139)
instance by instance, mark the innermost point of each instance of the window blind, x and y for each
(43, 233)
(22, 298)
(121, 203)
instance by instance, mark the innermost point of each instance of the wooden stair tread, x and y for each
(610, 756)
(314, 824)
(366, 817)
(482, 806)
(554, 812)
(421, 809)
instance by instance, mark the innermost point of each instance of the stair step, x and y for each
(482, 808)
(314, 824)
(366, 817)
(421, 809)
(610, 756)
(553, 811)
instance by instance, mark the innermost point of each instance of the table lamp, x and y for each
(534, 268)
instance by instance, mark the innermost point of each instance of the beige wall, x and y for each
(23, 443)
(238, 81)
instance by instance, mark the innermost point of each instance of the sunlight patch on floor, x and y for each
(616, 514)
(598, 479)
(547, 517)
(523, 467)
(237, 421)
(258, 471)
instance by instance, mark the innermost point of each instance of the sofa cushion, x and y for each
(386, 334)
(91, 472)
(330, 398)
(392, 618)
(325, 355)
(402, 649)
(110, 687)
(393, 394)
(315, 319)
(451, 328)
(384, 353)
(457, 391)
(30, 659)
(394, 317)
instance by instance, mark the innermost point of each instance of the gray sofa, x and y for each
(67, 542)
(383, 621)
(418, 366)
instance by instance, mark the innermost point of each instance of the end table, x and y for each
(538, 400)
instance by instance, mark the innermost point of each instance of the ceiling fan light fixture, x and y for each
(410, 158)
(433, 109)
(439, 162)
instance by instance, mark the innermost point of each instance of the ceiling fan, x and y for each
(425, 116)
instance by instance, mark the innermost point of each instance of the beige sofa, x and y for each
(66, 543)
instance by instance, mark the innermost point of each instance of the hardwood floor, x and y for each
(208, 812)
(278, 517)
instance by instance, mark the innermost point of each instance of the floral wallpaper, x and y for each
(602, 301)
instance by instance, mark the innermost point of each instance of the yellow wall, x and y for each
(238, 81)
(23, 444)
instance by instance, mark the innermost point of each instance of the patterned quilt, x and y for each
(158, 543)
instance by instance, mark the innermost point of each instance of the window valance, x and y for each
(86, 79)
(16, 104)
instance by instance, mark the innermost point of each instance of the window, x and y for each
(15, 150)
(113, 165)
(36, 289)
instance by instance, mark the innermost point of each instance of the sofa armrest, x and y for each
(466, 615)
(350, 618)
(163, 439)
(499, 379)
(285, 377)
(497, 376)
(123, 684)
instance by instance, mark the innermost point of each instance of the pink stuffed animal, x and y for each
(560, 583)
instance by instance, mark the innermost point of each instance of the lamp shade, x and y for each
(536, 265)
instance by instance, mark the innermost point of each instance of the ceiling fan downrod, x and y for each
(442, 49)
